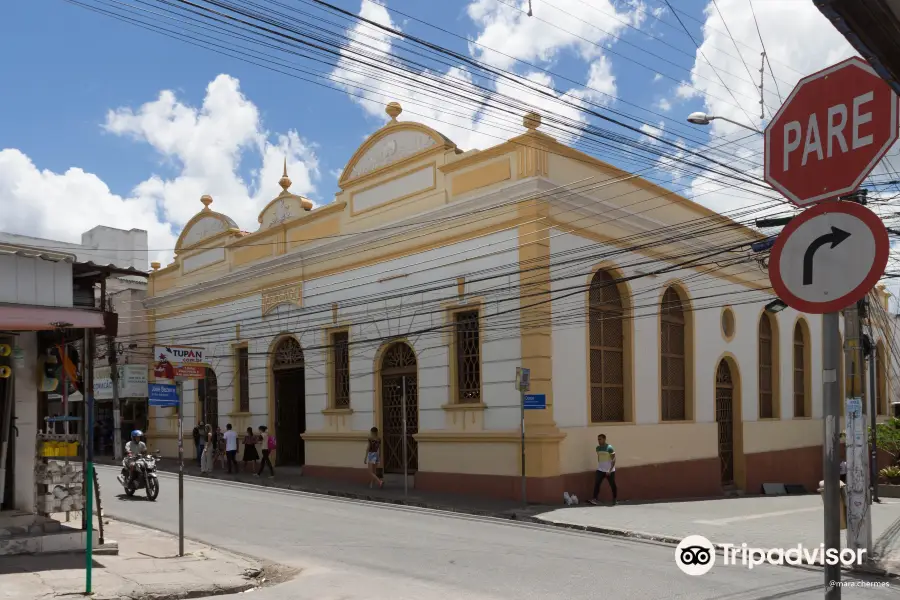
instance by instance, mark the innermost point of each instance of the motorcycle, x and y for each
(145, 476)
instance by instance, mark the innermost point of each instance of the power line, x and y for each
(493, 96)
(765, 54)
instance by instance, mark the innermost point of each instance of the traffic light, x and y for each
(5, 350)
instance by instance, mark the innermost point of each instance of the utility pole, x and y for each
(857, 463)
(873, 419)
(831, 459)
(117, 410)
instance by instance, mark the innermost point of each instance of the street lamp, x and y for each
(776, 306)
(701, 118)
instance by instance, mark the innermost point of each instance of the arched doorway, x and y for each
(725, 420)
(208, 397)
(398, 364)
(289, 377)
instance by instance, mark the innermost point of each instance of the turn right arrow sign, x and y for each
(828, 257)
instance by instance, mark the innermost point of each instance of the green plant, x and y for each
(888, 437)
(890, 473)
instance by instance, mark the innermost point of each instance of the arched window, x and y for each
(607, 349)
(673, 358)
(768, 408)
(801, 393)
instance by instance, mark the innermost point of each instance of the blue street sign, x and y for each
(535, 401)
(163, 394)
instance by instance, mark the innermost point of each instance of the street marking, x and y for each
(759, 516)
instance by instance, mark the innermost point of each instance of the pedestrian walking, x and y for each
(199, 438)
(606, 469)
(208, 451)
(231, 445)
(267, 442)
(219, 447)
(373, 452)
(251, 455)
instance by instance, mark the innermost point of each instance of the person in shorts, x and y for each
(373, 450)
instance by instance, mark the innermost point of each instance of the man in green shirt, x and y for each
(606, 468)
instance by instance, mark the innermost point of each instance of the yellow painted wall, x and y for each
(336, 453)
(263, 247)
(768, 436)
(317, 231)
(639, 444)
(481, 177)
(470, 457)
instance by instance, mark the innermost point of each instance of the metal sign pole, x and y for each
(89, 456)
(403, 411)
(180, 472)
(831, 460)
(522, 402)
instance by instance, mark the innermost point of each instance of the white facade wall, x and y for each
(214, 328)
(26, 412)
(413, 306)
(101, 245)
(708, 295)
(29, 280)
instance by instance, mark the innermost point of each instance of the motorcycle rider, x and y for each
(134, 449)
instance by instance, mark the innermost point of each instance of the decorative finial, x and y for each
(155, 266)
(206, 199)
(532, 121)
(285, 181)
(393, 110)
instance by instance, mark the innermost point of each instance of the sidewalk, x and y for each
(758, 521)
(147, 566)
(292, 478)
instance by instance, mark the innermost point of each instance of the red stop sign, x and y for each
(830, 133)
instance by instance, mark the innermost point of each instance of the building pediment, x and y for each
(393, 143)
(204, 225)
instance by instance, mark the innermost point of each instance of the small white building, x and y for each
(36, 297)
(124, 253)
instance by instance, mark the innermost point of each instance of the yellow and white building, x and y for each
(445, 270)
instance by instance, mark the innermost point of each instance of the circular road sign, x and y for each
(828, 257)
(830, 133)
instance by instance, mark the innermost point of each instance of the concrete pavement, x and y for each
(147, 566)
(760, 522)
(352, 549)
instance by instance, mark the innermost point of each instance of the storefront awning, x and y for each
(16, 317)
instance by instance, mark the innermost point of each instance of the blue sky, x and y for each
(146, 165)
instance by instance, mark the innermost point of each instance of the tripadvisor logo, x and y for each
(696, 555)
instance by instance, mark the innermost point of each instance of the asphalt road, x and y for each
(352, 550)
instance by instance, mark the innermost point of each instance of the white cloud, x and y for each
(466, 121)
(206, 145)
(664, 105)
(657, 77)
(650, 130)
(799, 41)
(511, 34)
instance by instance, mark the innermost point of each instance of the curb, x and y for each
(203, 593)
(674, 541)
